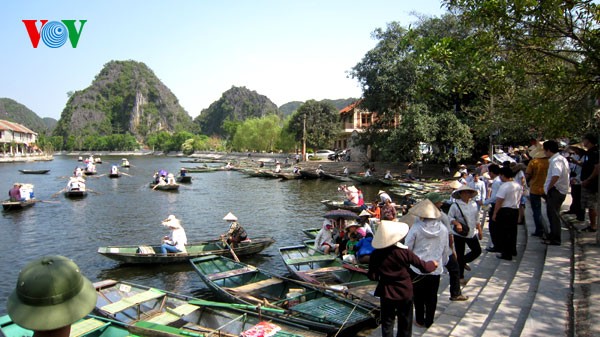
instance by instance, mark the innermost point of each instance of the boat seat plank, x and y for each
(131, 301)
(230, 273)
(164, 318)
(184, 309)
(258, 285)
(86, 326)
(323, 270)
(310, 259)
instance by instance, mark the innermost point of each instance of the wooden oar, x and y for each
(57, 193)
(90, 190)
(129, 175)
(235, 306)
(48, 201)
(230, 249)
(251, 298)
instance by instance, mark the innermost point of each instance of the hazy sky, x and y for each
(285, 50)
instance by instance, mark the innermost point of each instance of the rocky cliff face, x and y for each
(126, 96)
(236, 104)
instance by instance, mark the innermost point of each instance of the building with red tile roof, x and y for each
(355, 120)
(16, 138)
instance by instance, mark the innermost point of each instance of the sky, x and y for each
(286, 50)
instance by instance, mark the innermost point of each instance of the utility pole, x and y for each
(304, 137)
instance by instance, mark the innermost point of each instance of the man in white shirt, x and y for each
(556, 188)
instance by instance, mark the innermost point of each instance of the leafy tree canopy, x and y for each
(321, 120)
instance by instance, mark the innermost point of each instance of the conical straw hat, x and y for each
(456, 193)
(388, 233)
(425, 209)
(230, 217)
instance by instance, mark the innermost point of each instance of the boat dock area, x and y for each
(25, 158)
(546, 291)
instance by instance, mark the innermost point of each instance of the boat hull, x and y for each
(17, 205)
(165, 187)
(75, 194)
(130, 255)
(34, 171)
(184, 179)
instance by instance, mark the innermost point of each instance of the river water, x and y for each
(126, 211)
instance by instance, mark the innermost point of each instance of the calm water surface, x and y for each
(126, 211)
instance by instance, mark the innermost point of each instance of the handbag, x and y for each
(465, 227)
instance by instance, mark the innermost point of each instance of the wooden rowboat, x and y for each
(17, 205)
(114, 175)
(337, 177)
(312, 266)
(304, 304)
(311, 232)
(150, 254)
(164, 187)
(335, 204)
(34, 171)
(309, 174)
(76, 192)
(365, 180)
(138, 305)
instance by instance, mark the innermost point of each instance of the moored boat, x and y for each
(336, 204)
(150, 254)
(288, 175)
(304, 304)
(365, 180)
(311, 232)
(312, 266)
(201, 169)
(309, 174)
(34, 171)
(138, 305)
(337, 177)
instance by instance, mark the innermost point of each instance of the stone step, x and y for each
(511, 314)
(552, 305)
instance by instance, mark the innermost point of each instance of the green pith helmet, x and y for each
(51, 293)
(435, 197)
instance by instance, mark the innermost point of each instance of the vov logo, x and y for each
(54, 34)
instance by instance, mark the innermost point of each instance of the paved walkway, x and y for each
(545, 291)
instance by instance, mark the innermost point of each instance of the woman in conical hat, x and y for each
(236, 232)
(428, 239)
(175, 242)
(389, 265)
(463, 214)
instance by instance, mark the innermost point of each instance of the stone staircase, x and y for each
(529, 296)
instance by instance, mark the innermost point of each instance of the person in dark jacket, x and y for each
(389, 265)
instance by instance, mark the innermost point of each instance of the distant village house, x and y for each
(16, 139)
(355, 120)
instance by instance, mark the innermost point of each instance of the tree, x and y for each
(259, 134)
(321, 120)
(553, 49)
